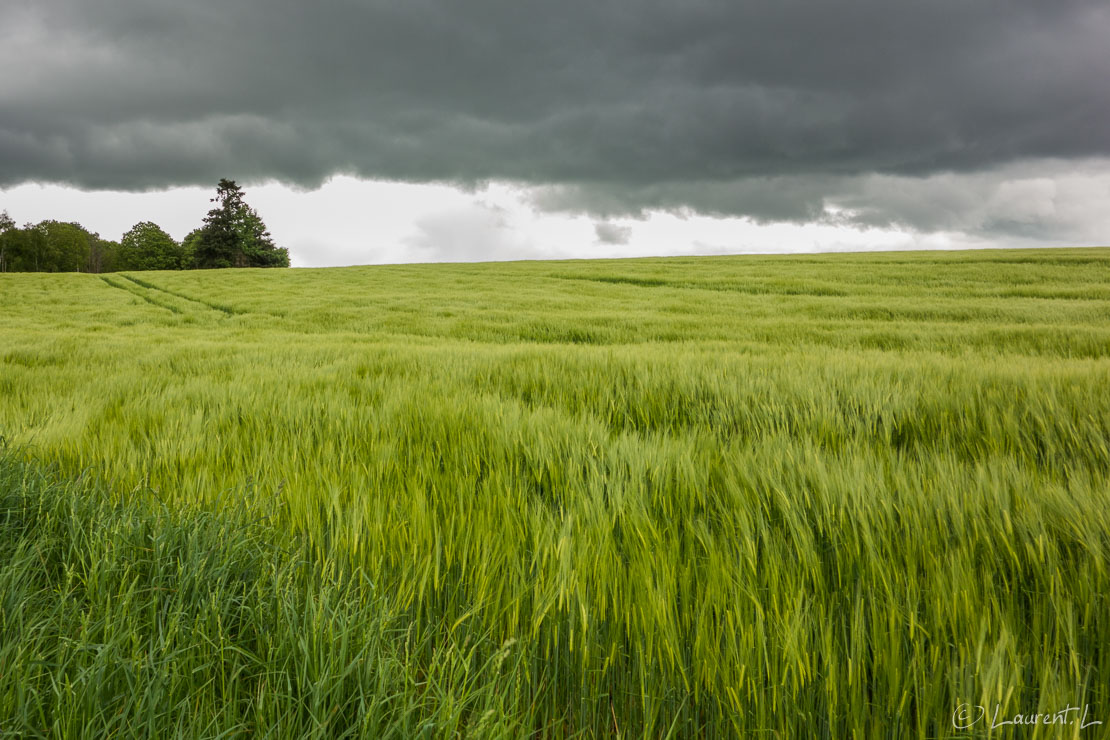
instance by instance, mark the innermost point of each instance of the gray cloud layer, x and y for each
(746, 107)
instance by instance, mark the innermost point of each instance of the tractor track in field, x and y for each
(210, 305)
(225, 310)
(166, 299)
(127, 289)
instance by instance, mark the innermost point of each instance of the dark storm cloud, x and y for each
(758, 108)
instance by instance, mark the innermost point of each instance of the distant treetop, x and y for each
(233, 235)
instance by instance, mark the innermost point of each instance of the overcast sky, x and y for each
(416, 130)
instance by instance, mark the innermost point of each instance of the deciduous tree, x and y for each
(6, 225)
(147, 247)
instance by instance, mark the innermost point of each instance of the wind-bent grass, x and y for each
(122, 620)
(825, 496)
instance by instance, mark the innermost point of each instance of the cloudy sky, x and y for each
(413, 130)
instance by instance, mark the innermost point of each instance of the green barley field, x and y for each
(837, 496)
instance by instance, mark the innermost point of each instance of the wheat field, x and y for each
(801, 496)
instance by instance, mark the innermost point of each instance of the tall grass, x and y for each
(126, 620)
(820, 496)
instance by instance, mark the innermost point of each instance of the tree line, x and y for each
(232, 235)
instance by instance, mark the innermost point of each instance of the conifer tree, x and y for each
(234, 235)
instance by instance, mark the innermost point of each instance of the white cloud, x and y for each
(1049, 202)
(351, 221)
(106, 212)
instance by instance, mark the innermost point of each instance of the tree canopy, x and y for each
(147, 247)
(50, 246)
(6, 225)
(232, 235)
